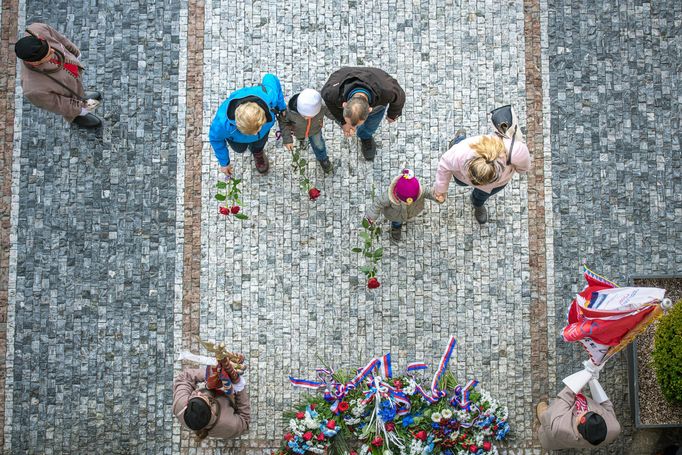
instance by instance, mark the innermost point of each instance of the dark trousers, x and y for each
(255, 147)
(479, 197)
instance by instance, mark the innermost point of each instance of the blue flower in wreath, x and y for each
(313, 414)
(408, 420)
(503, 429)
(435, 425)
(386, 411)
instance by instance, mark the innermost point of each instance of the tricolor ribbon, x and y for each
(435, 393)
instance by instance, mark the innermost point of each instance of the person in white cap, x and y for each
(303, 120)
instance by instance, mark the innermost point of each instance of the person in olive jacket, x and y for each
(358, 97)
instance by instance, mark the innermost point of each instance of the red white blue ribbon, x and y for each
(386, 370)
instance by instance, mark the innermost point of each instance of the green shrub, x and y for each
(668, 353)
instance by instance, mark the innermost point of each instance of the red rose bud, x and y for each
(390, 426)
(300, 415)
(320, 437)
(421, 435)
(397, 384)
(373, 283)
(313, 406)
(487, 446)
(288, 437)
(234, 209)
(343, 406)
(473, 448)
(378, 441)
(331, 424)
(224, 210)
(314, 193)
(307, 436)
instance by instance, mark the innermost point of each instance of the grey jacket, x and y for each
(394, 209)
(295, 125)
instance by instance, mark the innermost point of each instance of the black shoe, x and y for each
(93, 96)
(261, 159)
(327, 166)
(396, 233)
(459, 135)
(480, 213)
(369, 148)
(88, 121)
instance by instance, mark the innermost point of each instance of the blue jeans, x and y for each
(255, 147)
(318, 146)
(479, 197)
(367, 129)
(396, 224)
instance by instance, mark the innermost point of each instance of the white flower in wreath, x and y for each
(388, 452)
(364, 450)
(446, 413)
(410, 388)
(436, 417)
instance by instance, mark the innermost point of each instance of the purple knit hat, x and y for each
(407, 187)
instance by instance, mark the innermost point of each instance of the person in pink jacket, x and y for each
(482, 162)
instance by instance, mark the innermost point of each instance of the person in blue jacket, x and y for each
(244, 121)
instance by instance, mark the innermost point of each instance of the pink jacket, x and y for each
(453, 164)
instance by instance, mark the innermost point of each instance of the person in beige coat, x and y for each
(402, 202)
(574, 421)
(206, 410)
(52, 76)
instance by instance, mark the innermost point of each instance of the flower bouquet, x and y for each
(379, 414)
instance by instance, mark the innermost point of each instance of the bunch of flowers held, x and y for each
(376, 413)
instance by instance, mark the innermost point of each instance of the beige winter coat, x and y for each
(558, 429)
(45, 93)
(393, 208)
(235, 410)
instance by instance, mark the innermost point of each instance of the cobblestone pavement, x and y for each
(119, 257)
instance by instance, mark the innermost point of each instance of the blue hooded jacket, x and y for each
(224, 126)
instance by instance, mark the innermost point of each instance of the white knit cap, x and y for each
(309, 102)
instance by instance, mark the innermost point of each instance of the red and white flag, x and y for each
(605, 318)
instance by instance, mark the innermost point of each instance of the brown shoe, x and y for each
(541, 408)
(261, 159)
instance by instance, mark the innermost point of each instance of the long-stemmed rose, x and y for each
(228, 196)
(369, 235)
(298, 163)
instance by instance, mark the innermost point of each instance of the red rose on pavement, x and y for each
(343, 406)
(473, 448)
(397, 384)
(390, 426)
(300, 415)
(307, 436)
(421, 435)
(373, 283)
(487, 446)
(314, 193)
(378, 441)
(234, 209)
(320, 437)
(288, 437)
(224, 210)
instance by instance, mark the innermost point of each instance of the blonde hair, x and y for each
(250, 118)
(357, 110)
(484, 167)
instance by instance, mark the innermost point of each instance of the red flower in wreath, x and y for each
(343, 406)
(300, 415)
(390, 426)
(320, 437)
(487, 446)
(397, 384)
(308, 435)
(378, 441)
(473, 448)
(288, 437)
(421, 435)
(313, 406)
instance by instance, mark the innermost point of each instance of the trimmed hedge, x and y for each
(668, 353)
